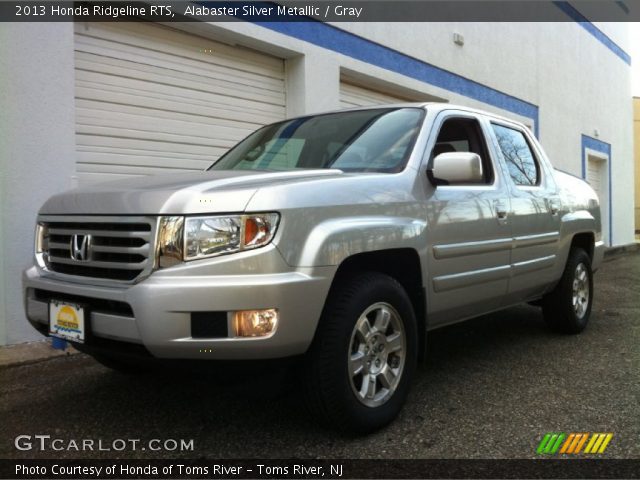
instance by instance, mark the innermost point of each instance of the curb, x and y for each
(30, 353)
(614, 252)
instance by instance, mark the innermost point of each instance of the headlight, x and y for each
(190, 238)
(211, 236)
(42, 238)
(170, 246)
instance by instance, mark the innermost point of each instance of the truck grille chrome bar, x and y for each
(105, 247)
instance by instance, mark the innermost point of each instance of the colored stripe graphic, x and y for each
(598, 442)
(572, 443)
(550, 443)
(543, 443)
(581, 443)
(592, 440)
(570, 439)
(605, 444)
(556, 445)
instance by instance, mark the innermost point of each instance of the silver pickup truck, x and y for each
(339, 239)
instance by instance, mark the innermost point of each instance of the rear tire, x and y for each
(359, 368)
(567, 307)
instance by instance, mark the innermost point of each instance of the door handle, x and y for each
(554, 206)
(501, 209)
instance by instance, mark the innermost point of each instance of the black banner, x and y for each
(327, 11)
(316, 469)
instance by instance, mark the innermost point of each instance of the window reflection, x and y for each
(518, 155)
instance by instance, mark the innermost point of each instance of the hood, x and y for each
(222, 191)
(575, 189)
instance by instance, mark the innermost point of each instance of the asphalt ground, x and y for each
(491, 388)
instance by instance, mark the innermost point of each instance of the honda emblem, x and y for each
(81, 247)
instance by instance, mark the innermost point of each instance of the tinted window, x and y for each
(522, 165)
(377, 140)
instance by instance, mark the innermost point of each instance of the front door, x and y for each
(468, 227)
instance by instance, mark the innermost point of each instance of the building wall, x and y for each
(562, 89)
(578, 86)
(616, 31)
(636, 138)
(37, 125)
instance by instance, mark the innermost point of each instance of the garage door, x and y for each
(356, 96)
(597, 178)
(594, 175)
(151, 99)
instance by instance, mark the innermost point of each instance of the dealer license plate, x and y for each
(66, 320)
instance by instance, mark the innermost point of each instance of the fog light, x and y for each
(255, 323)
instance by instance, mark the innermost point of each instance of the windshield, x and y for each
(378, 140)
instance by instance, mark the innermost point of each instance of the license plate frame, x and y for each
(67, 321)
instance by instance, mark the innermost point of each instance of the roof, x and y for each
(438, 106)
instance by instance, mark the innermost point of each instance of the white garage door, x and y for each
(356, 96)
(151, 99)
(597, 178)
(594, 175)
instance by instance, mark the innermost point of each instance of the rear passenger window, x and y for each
(521, 162)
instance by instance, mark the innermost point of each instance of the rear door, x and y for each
(469, 229)
(535, 211)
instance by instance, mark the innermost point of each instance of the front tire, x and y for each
(360, 366)
(567, 308)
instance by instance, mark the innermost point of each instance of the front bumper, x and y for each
(156, 313)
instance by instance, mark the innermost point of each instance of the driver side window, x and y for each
(460, 134)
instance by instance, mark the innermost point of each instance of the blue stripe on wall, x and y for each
(351, 45)
(593, 30)
(604, 148)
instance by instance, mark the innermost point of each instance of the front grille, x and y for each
(117, 248)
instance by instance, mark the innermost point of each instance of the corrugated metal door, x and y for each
(356, 96)
(597, 178)
(595, 169)
(151, 99)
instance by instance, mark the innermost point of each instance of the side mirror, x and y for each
(456, 167)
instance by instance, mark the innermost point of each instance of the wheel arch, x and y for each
(584, 240)
(402, 264)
